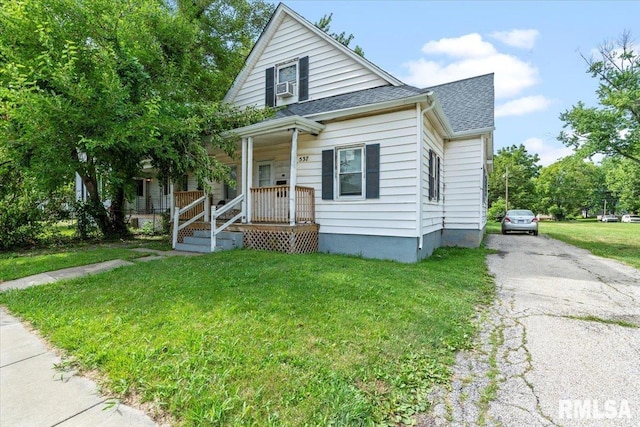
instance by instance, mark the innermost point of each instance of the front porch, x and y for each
(264, 222)
(277, 217)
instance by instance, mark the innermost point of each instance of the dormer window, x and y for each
(287, 82)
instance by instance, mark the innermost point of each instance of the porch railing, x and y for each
(230, 207)
(271, 204)
(179, 212)
(184, 198)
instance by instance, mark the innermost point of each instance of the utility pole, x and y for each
(506, 191)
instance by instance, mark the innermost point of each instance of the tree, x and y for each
(325, 25)
(622, 177)
(522, 168)
(569, 186)
(95, 87)
(613, 128)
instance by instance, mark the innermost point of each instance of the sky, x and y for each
(533, 47)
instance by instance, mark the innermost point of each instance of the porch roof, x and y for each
(280, 124)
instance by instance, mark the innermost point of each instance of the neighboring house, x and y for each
(393, 171)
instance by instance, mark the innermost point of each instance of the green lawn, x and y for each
(256, 338)
(17, 264)
(620, 241)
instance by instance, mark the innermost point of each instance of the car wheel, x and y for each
(535, 233)
(504, 232)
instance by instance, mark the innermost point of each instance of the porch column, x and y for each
(292, 177)
(244, 188)
(249, 176)
(207, 204)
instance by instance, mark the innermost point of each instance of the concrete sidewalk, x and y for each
(33, 392)
(67, 273)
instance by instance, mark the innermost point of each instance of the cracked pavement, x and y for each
(557, 347)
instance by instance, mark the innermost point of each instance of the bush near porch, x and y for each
(256, 338)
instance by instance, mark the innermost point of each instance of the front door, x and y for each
(265, 174)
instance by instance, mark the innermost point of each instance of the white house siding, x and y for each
(331, 72)
(394, 213)
(463, 184)
(432, 210)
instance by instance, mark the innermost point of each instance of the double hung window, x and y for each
(350, 172)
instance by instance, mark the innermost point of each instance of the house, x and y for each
(354, 161)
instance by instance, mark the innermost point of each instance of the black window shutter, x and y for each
(327, 175)
(438, 179)
(431, 183)
(270, 92)
(303, 82)
(373, 171)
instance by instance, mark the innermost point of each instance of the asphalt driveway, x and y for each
(560, 346)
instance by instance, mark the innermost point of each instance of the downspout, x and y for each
(421, 115)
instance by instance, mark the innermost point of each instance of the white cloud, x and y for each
(548, 152)
(468, 46)
(524, 39)
(471, 56)
(522, 106)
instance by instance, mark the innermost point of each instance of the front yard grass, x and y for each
(17, 264)
(256, 338)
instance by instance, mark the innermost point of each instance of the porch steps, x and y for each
(201, 242)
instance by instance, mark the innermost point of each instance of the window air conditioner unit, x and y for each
(285, 89)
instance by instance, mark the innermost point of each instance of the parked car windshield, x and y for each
(520, 213)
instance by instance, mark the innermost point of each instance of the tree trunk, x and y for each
(111, 223)
(117, 214)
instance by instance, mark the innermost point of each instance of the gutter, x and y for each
(276, 125)
(431, 104)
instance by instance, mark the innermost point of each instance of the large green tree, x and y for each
(522, 169)
(95, 87)
(612, 128)
(569, 187)
(622, 177)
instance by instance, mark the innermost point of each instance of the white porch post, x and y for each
(292, 177)
(249, 176)
(207, 205)
(244, 188)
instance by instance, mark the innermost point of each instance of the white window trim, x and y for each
(336, 172)
(295, 83)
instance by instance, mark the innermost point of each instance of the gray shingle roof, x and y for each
(467, 103)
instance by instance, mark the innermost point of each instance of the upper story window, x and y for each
(287, 82)
(288, 73)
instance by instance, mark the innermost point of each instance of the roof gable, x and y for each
(286, 17)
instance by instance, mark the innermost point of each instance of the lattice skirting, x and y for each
(297, 239)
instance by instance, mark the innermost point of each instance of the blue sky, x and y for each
(532, 47)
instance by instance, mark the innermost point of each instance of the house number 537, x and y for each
(302, 159)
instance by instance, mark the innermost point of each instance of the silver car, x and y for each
(521, 220)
